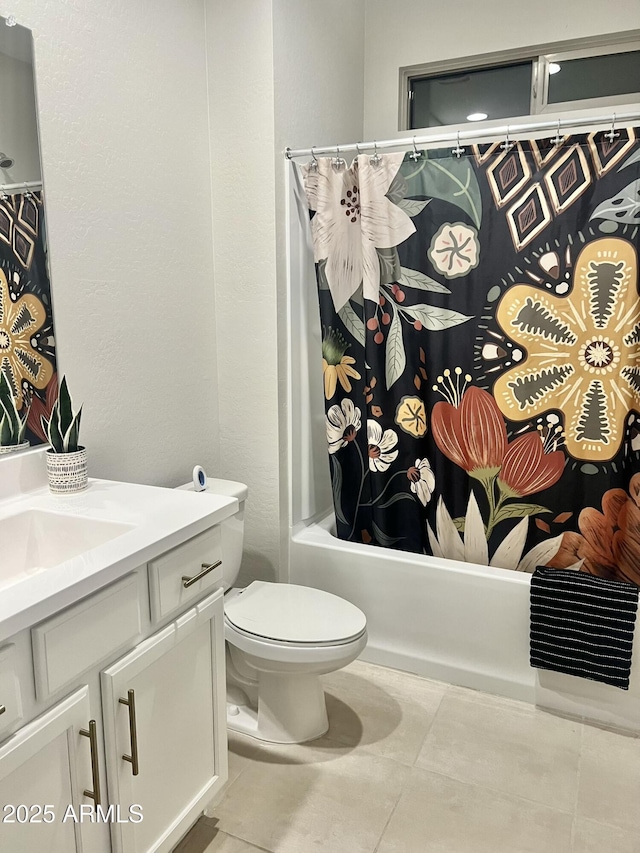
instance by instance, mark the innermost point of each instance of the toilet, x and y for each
(280, 638)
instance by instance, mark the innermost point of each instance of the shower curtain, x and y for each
(27, 342)
(481, 350)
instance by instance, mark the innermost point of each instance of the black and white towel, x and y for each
(582, 625)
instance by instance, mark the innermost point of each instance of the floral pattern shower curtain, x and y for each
(481, 350)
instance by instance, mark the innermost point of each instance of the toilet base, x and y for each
(291, 709)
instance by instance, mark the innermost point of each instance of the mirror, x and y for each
(27, 342)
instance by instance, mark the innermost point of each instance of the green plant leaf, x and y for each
(396, 359)
(8, 406)
(435, 319)
(23, 428)
(54, 434)
(411, 206)
(518, 510)
(73, 433)
(414, 278)
(624, 207)
(459, 523)
(382, 538)
(401, 496)
(389, 265)
(397, 189)
(5, 431)
(336, 486)
(65, 408)
(352, 322)
(449, 179)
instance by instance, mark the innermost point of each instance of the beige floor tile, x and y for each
(436, 814)
(381, 710)
(592, 837)
(609, 789)
(241, 751)
(506, 745)
(325, 799)
(206, 838)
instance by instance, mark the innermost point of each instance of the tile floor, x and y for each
(415, 766)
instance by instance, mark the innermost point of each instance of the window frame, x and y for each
(540, 56)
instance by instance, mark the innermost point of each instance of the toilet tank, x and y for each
(232, 528)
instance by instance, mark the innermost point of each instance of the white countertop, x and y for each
(160, 519)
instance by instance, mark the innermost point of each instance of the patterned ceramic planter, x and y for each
(67, 471)
(12, 448)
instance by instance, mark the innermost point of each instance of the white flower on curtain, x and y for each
(422, 479)
(381, 446)
(343, 423)
(353, 219)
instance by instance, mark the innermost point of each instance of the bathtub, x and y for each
(451, 621)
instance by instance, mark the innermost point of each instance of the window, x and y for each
(543, 79)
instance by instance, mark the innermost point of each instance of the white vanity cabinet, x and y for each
(143, 659)
(45, 768)
(165, 728)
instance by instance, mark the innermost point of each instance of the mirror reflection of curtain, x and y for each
(481, 350)
(27, 343)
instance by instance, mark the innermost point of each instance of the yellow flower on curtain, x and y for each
(19, 321)
(582, 350)
(411, 416)
(336, 366)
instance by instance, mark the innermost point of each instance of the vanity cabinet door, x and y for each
(165, 729)
(44, 769)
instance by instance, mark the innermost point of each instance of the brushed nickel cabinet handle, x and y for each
(95, 771)
(2, 709)
(206, 568)
(133, 732)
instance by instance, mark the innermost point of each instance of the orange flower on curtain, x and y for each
(471, 431)
(609, 541)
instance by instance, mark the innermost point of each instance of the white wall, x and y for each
(18, 128)
(122, 95)
(408, 32)
(319, 89)
(280, 73)
(240, 72)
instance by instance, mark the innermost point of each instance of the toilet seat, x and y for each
(288, 614)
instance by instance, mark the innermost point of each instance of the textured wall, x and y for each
(122, 95)
(414, 31)
(240, 67)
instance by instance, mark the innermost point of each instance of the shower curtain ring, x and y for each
(415, 154)
(613, 133)
(27, 191)
(376, 159)
(338, 162)
(507, 145)
(3, 194)
(558, 138)
(313, 165)
(458, 151)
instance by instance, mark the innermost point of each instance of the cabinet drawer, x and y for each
(10, 698)
(167, 573)
(86, 634)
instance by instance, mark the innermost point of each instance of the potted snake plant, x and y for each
(12, 426)
(66, 459)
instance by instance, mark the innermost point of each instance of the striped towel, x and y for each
(582, 625)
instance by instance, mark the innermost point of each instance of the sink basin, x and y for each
(38, 539)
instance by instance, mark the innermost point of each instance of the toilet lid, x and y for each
(294, 614)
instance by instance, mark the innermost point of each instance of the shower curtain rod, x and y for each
(505, 130)
(23, 185)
